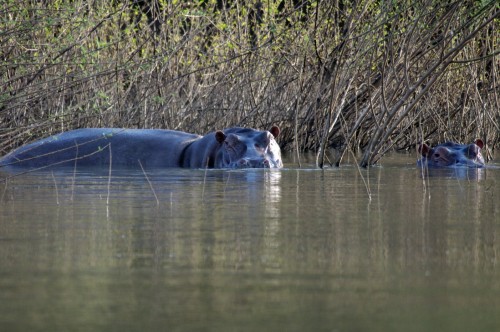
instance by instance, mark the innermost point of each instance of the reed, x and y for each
(55, 186)
(367, 76)
(149, 182)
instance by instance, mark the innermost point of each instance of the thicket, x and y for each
(364, 76)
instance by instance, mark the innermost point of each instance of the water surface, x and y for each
(340, 249)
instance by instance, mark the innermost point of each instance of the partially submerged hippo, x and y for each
(231, 148)
(452, 154)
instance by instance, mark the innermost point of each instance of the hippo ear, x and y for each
(275, 131)
(479, 142)
(220, 136)
(423, 149)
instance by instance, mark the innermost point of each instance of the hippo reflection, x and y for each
(452, 154)
(230, 148)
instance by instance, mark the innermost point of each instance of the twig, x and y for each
(74, 174)
(366, 183)
(4, 190)
(109, 174)
(204, 182)
(149, 182)
(55, 183)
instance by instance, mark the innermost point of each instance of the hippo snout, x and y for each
(252, 163)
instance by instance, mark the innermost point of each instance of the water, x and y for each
(253, 250)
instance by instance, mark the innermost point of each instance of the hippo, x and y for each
(452, 154)
(230, 148)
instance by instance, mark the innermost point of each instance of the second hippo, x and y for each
(452, 154)
(230, 148)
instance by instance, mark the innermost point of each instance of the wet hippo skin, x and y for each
(452, 154)
(229, 148)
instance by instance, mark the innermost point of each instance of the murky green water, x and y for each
(288, 250)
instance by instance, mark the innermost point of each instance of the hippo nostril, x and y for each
(253, 163)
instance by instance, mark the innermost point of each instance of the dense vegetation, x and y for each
(364, 76)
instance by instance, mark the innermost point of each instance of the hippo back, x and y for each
(95, 147)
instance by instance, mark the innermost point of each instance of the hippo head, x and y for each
(452, 154)
(248, 148)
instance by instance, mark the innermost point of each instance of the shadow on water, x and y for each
(224, 250)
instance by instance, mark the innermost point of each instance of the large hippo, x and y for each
(452, 154)
(230, 148)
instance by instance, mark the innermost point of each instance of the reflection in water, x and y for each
(272, 226)
(462, 173)
(250, 250)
